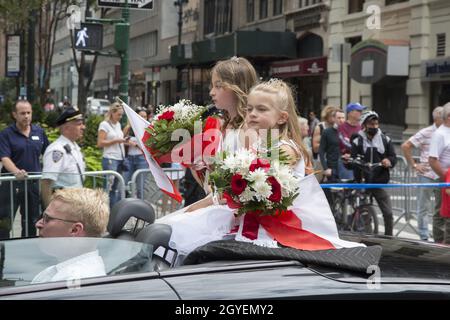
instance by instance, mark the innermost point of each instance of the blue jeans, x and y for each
(136, 162)
(344, 173)
(111, 183)
(424, 206)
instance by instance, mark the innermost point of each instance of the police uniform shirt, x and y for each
(23, 151)
(61, 166)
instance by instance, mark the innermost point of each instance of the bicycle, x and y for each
(363, 217)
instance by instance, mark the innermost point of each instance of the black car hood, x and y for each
(396, 260)
(356, 259)
(402, 261)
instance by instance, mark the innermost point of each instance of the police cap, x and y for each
(69, 114)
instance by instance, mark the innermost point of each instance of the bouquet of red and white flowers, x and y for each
(253, 184)
(158, 136)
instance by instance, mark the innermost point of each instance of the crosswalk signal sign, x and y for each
(89, 37)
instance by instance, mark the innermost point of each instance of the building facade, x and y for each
(392, 45)
(391, 55)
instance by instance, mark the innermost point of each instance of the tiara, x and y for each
(235, 59)
(275, 82)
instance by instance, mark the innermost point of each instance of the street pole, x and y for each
(123, 89)
(179, 3)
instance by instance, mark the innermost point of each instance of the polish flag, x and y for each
(139, 125)
(307, 225)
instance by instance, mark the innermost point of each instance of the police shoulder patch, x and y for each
(57, 155)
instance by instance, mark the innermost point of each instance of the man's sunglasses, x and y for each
(46, 218)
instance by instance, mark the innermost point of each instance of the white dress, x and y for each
(314, 215)
(193, 229)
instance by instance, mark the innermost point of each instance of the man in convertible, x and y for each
(73, 213)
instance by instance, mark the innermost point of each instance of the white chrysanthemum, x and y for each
(263, 190)
(247, 195)
(245, 158)
(257, 176)
(230, 163)
(184, 110)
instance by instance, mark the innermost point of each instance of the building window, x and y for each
(217, 16)
(440, 47)
(144, 46)
(277, 7)
(355, 6)
(305, 3)
(250, 10)
(389, 2)
(263, 4)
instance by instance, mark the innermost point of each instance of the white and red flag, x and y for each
(139, 125)
(307, 225)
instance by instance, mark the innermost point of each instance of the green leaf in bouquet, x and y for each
(164, 125)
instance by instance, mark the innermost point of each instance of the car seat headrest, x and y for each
(127, 208)
(157, 234)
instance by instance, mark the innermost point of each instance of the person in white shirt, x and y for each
(111, 139)
(439, 159)
(75, 212)
(63, 163)
(425, 174)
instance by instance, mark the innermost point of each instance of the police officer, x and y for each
(21, 146)
(63, 161)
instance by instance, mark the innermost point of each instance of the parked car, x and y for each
(97, 106)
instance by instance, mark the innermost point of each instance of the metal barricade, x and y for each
(401, 197)
(143, 186)
(405, 200)
(12, 189)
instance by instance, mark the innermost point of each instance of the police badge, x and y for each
(56, 155)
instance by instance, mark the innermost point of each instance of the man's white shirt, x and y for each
(84, 266)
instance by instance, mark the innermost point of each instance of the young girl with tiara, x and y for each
(271, 106)
(206, 221)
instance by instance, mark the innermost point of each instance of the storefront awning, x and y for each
(372, 60)
(299, 68)
(238, 43)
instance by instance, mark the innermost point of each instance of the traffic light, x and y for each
(121, 36)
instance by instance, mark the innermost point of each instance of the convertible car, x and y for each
(139, 264)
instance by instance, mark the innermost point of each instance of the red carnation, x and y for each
(167, 115)
(276, 189)
(230, 201)
(260, 163)
(238, 184)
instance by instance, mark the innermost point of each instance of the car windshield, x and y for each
(105, 103)
(40, 260)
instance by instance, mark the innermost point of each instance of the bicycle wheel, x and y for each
(365, 220)
(337, 208)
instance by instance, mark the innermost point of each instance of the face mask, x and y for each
(372, 131)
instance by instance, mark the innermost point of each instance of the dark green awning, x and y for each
(239, 43)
